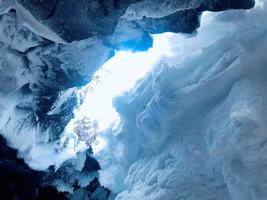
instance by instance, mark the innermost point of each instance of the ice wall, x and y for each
(48, 49)
(195, 128)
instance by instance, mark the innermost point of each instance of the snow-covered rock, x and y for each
(38, 82)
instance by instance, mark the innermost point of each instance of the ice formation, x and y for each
(195, 128)
(192, 128)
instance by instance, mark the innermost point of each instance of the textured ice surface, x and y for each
(195, 128)
(40, 73)
(37, 86)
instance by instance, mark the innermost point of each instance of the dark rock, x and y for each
(50, 193)
(41, 9)
(221, 5)
(17, 180)
(74, 20)
(185, 21)
(91, 164)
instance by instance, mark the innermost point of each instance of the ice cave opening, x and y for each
(87, 119)
(118, 75)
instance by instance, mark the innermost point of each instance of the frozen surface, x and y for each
(195, 128)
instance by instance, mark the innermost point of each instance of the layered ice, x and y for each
(195, 127)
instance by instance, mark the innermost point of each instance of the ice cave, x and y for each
(133, 99)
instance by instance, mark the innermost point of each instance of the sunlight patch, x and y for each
(117, 75)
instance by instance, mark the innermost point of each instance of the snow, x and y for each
(70, 174)
(194, 128)
(27, 70)
(19, 128)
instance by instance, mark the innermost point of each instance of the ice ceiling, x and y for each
(189, 106)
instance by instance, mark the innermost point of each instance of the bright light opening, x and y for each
(117, 75)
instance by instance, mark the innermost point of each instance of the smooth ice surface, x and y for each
(195, 128)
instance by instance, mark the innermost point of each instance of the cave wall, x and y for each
(51, 48)
(195, 128)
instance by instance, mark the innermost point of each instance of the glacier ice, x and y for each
(195, 128)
